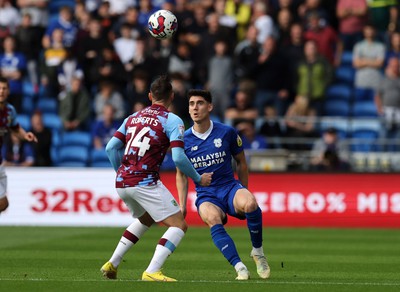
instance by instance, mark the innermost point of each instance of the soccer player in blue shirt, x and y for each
(210, 146)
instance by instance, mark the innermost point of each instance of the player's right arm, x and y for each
(182, 187)
(115, 147)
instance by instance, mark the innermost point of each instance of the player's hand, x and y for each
(206, 179)
(30, 137)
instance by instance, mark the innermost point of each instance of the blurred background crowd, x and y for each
(280, 71)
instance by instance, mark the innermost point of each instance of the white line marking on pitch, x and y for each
(216, 282)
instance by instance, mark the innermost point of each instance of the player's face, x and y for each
(199, 108)
(3, 92)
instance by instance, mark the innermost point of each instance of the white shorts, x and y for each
(3, 182)
(155, 200)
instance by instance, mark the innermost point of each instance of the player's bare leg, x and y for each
(131, 236)
(3, 204)
(169, 241)
(246, 204)
(213, 216)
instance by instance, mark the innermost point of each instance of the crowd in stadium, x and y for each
(274, 67)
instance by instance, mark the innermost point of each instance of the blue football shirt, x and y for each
(212, 151)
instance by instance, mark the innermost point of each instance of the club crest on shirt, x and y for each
(239, 141)
(218, 142)
(173, 202)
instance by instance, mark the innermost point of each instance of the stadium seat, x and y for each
(365, 132)
(27, 88)
(78, 138)
(99, 158)
(339, 91)
(27, 104)
(55, 5)
(47, 105)
(363, 94)
(24, 121)
(338, 108)
(345, 74)
(347, 59)
(52, 121)
(341, 125)
(364, 109)
(73, 156)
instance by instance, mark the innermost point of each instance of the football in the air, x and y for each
(163, 24)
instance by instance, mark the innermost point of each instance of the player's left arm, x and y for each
(115, 147)
(24, 135)
(242, 169)
(182, 187)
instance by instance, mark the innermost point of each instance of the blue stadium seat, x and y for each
(27, 88)
(24, 121)
(47, 105)
(55, 5)
(52, 121)
(347, 59)
(364, 109)
(27, 104)
(365, 131)
(78, 138)
(99, 158)
(340, 124)
(73, 156)
(364, 94)
(338, 108)
(345, 74)
(339, 91)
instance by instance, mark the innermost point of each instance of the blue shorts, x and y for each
(221, 196)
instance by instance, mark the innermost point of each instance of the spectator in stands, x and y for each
(329, 153)
(220, 78)
(300, 122)
(394, 48)
(384, 16)
(242, 108)
(17, 152)
(272, 84)
(241, 10)
(131, 18)
(118, 7)
(137, 89)
(38, 10)
(250, 139)
(352, 17)
(104, 128)
(125, 46)
(263, 22)
(90, 48)
(327, 40)
(246, 55)
(108, 67)
(181, 62)
(69, 68)
(387, 100)
(107, 20)
(271, 128)
(13, 67)
(368, 59)
(310, 8)
(146, 8)
(314, 74)
(180, 103)
(28, 39)
(10, 17)
(108, 94)
(75, 107)
(285, 20)
(64, 22)
(42, 148)
(53, 57)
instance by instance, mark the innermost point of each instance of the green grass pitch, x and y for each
(301, 259)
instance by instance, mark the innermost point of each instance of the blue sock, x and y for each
(225, 244)
(254, 223)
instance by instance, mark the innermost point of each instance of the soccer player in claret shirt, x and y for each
(136, 152)
(210, 146)
(8, 121)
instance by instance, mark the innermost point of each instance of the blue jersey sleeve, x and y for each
(174, 128)
(235, 143)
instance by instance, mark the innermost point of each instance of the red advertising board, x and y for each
(319, 200)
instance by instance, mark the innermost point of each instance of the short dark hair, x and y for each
(4, 80)
(161, 88)
(199, 92)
